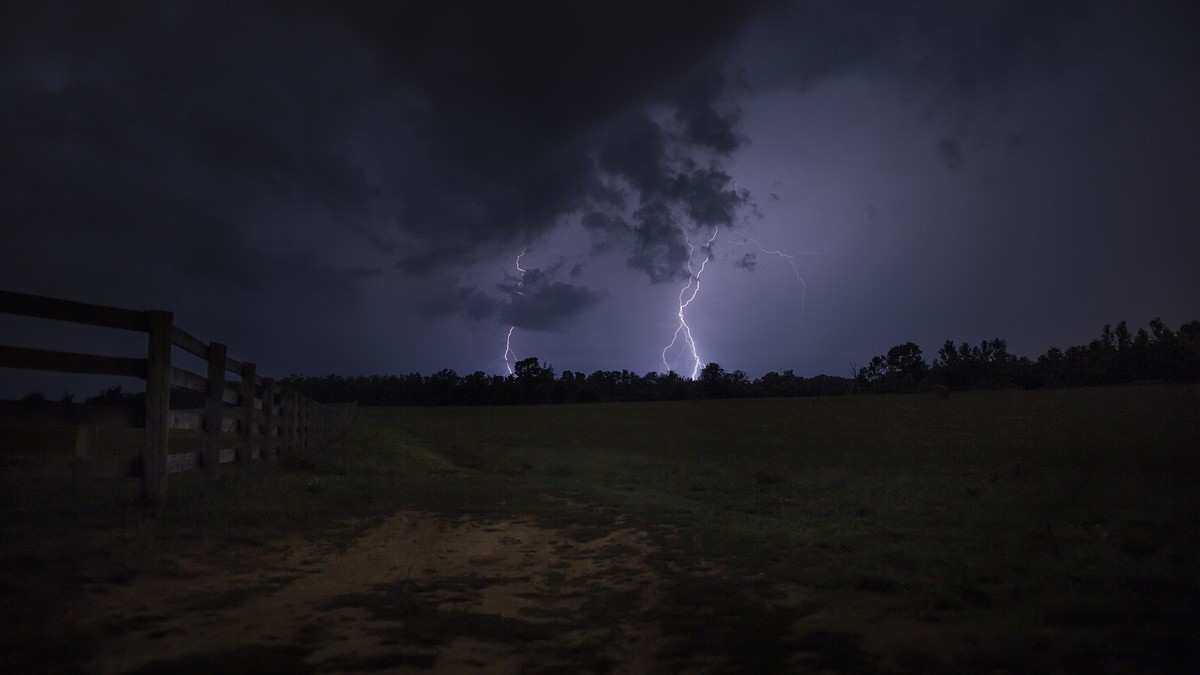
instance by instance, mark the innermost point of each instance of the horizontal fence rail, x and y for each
(245, 419)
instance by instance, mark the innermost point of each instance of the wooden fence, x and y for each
(243, 420)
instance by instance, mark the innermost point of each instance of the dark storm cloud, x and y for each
(550, 306)
(432, 132)
(953, 52)
(708, 197)
(950, 153)
(466, 300)
(708, 115)
(343, 171)
(535, 300)
(692, 203)
(538, 300)
(173, 134)
(430, 261)
(519, 108)
(675, 198)
(606, 230)
(658, 249)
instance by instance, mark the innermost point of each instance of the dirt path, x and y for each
(416, 593)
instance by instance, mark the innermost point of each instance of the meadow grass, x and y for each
(1015, 531)
(1029, 527)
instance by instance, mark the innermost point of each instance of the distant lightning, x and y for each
(685, 299)
(509, 355)
(520, 269)
(790, 258)
(508, 352)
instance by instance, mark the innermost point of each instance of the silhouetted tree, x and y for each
(713, 383)
(901, 369)
(871, 375)
(906, 365)
(535, 381)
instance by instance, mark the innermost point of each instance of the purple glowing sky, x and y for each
(346, 189)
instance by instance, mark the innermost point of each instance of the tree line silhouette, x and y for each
(535, 382)
(1116, 357)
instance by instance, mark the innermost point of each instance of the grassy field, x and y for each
(1007, 531)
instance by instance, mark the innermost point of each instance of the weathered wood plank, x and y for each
(42, 307)
(249, 387)
(214, 409)
(70, 362)
(189, 343)
(287, 420)
(185, 420)
(188, 380)
(194, 420)
(270, 418)
(158, 404)
(182, 461)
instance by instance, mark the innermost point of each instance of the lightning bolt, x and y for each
(520, 255)
(790, 258)
(509, 355)
(508, 350)
(685, 299)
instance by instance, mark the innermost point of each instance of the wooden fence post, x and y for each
(303, 410)
(269, 441)
(287, 429)
(214, 410)
(249, 389)
(158, 406)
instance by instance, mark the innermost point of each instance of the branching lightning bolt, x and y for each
(509, 355)
(685, 299)
(791, 258)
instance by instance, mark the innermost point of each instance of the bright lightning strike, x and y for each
(520, 269)
(508, 352)
(685, 299)
(509, 355)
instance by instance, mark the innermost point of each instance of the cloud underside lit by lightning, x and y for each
(687, 294)
(534, 294)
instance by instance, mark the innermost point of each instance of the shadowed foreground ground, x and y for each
(414, 592)
(1001, 532)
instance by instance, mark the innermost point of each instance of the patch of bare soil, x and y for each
(416, 593)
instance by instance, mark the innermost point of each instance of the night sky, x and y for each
(346, 187)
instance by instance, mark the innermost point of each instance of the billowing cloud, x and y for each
(358, 175)
(538, 300)
(428, 134)
(676, 198)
